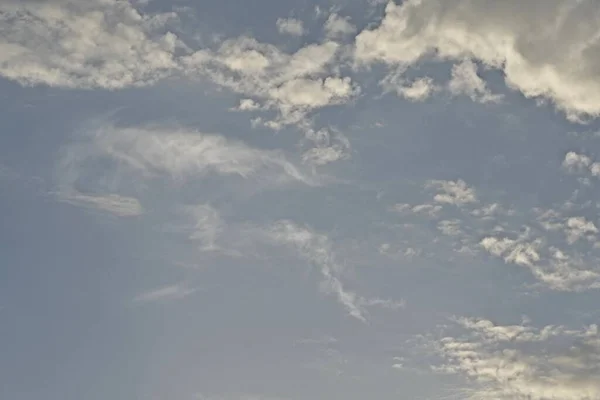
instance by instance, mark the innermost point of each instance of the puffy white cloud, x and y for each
(99, 43)
(293, 84)
(576, 162)
(579, 227)
(523, 363)
(555, 58)
(122, 206)
(290, 26)
(453, 192)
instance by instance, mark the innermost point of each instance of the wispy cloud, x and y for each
(121, 206)
(165, 293)
(180, 154)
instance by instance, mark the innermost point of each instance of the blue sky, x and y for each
(325, 200)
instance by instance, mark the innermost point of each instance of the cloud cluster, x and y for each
(520, 362)
(553, 59)
(578, 163)
(292, 84)
(556, 246)
(99, 43)
(122, 206)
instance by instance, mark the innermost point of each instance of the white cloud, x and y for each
(520, 362)
(551, 266)
(553, 58)
(450, 227)
(293, 84)
(579, 227)
(576, 162)
(431, 210)
(166, 293)
(328, 147)
(98, 43)
(316, 248)
(337, 26)
(175, 152)
(453, 192)
(579, 163)
(465, 81)
(121, 206)
(290, 26)
(206, 227)
(418, 90)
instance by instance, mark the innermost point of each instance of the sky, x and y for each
(322, 199)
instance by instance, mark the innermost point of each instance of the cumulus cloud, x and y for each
(290, 26)
(554, 58)
(99, 43)
(575, 162)
(292, 84)
(113, 44)
(122, 206)
(579, 227)
(453, 192)
(521, 362)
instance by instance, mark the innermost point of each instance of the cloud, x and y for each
(290, 26)
(520, 362)
(292, 84)
(206, 227)
(328, 147)
(465, 81)
(579, 227)
(165, 293)
(121, 206)
(453, 192)
(316, 248)
(92, 44)
(536, 59)
(418, 90)
(337, 26)
(575, 162)
(178, 153)
(551, 266)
